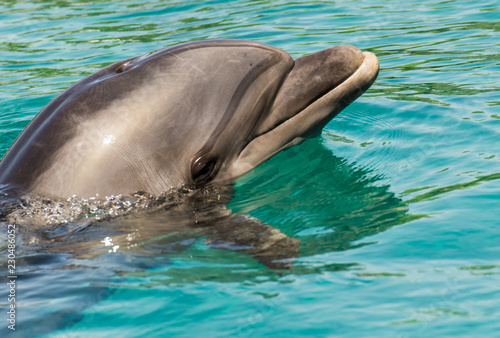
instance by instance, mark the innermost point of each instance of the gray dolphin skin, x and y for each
(196, 114)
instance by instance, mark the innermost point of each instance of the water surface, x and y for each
(395, 205)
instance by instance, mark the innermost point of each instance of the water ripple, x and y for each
(396, 205)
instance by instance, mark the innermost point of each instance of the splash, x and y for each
(33, 210)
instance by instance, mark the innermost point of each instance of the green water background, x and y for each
(396, 204)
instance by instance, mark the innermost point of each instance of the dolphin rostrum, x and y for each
(196, 114)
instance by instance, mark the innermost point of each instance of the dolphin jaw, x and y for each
(308, 121)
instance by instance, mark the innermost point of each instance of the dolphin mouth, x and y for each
(335, 84)
(324, 107)
(287, 128)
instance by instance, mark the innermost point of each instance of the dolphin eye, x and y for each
(203, 169)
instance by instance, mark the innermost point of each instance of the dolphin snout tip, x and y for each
(371, 61)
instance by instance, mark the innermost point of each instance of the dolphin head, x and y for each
(196, 114)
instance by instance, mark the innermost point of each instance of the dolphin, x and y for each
(197, 114)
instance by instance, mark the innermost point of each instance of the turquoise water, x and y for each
(396, 204)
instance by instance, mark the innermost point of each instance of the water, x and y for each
(395, 205)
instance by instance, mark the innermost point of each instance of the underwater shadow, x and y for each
(323, 200)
